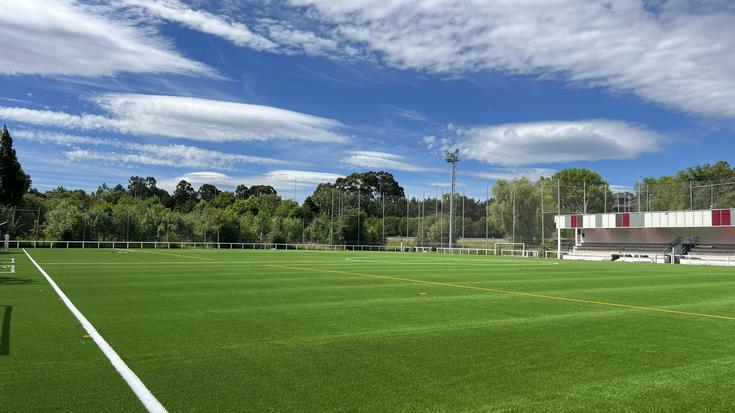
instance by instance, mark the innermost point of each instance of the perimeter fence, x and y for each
(510, 211)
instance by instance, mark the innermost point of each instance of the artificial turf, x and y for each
(210, 330)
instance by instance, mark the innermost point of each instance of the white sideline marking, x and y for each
(144, 395)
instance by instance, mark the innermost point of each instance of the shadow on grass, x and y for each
(13, 280)
(6, 311)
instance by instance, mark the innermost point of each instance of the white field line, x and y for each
(144, 395)
(452, 262)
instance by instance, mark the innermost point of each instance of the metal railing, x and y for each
(17, 244)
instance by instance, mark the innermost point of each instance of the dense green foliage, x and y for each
(361, 208)
(232, 331)
(13, 181)
(143, 212)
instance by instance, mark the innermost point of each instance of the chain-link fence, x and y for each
(511, 211)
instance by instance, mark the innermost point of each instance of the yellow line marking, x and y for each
(177, 255)
(511, 292)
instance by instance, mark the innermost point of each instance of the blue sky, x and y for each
(292, 93)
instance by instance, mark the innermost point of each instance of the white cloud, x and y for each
(187, 118)
(62, 38)
(622, 188)
(293, 40)
(673, 53)
(174, 10)
(512, 173)
(382, 160)
(142, 153)
(263, 34)
(554, 142)
(283, 180)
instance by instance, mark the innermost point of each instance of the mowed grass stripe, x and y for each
(136, 385)
(511, 292)
(244, 336)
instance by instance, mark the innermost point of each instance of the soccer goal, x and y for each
(510, 248)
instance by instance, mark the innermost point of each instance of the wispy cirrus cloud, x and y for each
(283, 180)
(512, 173)
(85, 148)
(382, 160)
(187, 118)
(64, 38)
(201, 20)
(518, 144)
(262, 34)
(677, 54)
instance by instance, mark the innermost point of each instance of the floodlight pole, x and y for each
(452, 158)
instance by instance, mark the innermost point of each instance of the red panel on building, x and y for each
(626, 220)
(574, 221)
(721, 217)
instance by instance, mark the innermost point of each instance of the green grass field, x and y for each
(239, 331)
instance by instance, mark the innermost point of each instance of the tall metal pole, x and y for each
(421, 217)
(558, 197)
(558, 213)
(463, 197)
(691, 197)
(584, 197)
(358, 213)
(514, 213)
(640, 180)
(436, 205)
(453, 158)
(487, 218)
(451, 205)
(605, 190)
(382, 199)
(408, 207)
(542, 216)
(441, 222)
(331, 221)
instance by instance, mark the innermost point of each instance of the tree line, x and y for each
(363, 208)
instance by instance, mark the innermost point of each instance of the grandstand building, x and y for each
(686, 237)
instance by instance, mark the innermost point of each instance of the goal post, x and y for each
(501, 246)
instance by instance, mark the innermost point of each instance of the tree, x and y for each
(260, 190)
(223, 199)
(580, 185)
(207, 192)
(370, 183)
(242, 192)
(14, 182)
(184, 196)
(526, 198)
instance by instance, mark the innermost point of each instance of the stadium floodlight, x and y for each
(452, 158)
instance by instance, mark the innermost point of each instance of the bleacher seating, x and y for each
(624, 248)
(712, 250)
